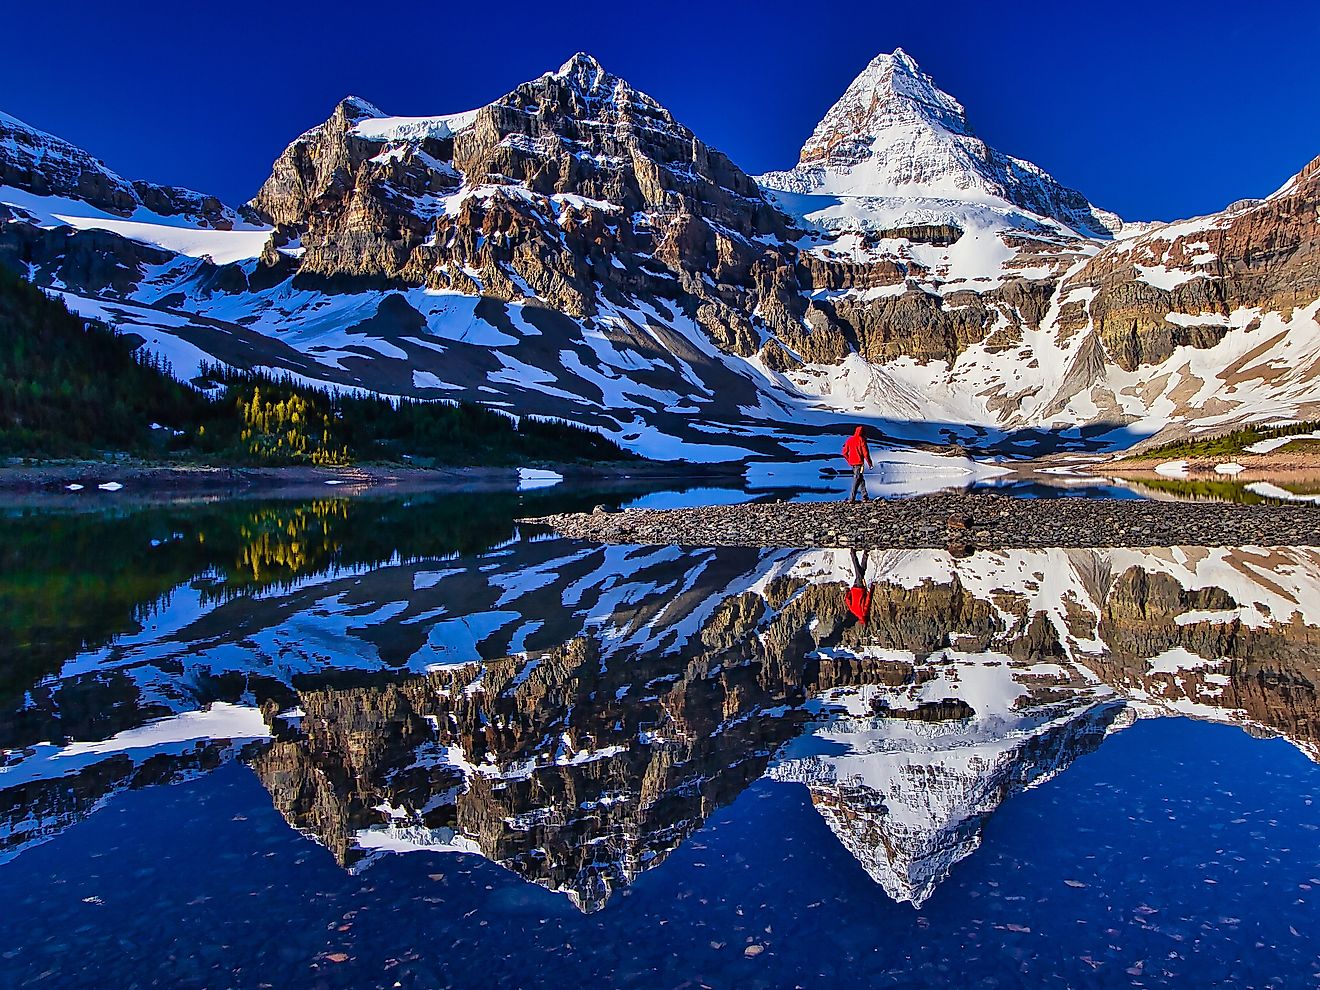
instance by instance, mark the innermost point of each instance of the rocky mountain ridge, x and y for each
(570, 249)
(48, 166)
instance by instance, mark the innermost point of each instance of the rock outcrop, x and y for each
(1179, 284)
(574, 191)
(45, 165)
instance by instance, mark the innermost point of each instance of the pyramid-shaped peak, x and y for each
(899, 58)
(585, 74)
(594, 86)
(894, 133)
(893, 89)
(356, 108)
(581, 62)
(891, 102)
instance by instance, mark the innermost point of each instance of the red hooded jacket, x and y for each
(859, 603)
(855, 450)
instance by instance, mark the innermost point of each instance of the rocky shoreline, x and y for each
(962, 522)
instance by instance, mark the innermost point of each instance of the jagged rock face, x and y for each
(585, 132)
(618, 788)
(169, 201)
(1260, 254)
(40, 163)
(360, 203)
(573, 187)
(95, 260)
(374, 734)
(320, 161)
(1268, 673)
(916, 324)
(48, 166)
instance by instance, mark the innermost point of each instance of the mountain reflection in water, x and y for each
(574, 712)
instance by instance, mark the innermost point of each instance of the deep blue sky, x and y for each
(1155, 110)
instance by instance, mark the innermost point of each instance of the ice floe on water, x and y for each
(530, 478)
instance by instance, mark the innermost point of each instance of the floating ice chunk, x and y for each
(536, 478)
(1232, 467)
(110, 486)
(1172, 469)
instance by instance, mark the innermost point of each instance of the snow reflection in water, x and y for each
(575, 713)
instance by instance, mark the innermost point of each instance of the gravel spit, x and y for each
(964, 522)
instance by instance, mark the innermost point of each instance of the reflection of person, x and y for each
(859, 595)
(858, 456)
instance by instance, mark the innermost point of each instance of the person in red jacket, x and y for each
(858, 456)
(858, 596)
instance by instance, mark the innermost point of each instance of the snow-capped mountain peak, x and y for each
(903, 270)
(356, 108)
(593, 86)
(891, 94)
(585, 70)
(895, 133)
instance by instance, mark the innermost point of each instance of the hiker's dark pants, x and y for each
(859, 481)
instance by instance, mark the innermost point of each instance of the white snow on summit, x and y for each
(895, 133)
(178, 234)
(383, 128)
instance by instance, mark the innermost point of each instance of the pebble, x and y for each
(968, 522)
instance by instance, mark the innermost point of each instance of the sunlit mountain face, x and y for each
(571, 249)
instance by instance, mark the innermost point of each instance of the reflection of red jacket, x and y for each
(859, 602)
(855, 450)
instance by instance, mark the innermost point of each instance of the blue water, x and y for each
(692, 691)
(1179, 853)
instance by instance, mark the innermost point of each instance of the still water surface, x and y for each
(400, 742)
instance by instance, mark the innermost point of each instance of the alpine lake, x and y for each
(406, 742)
